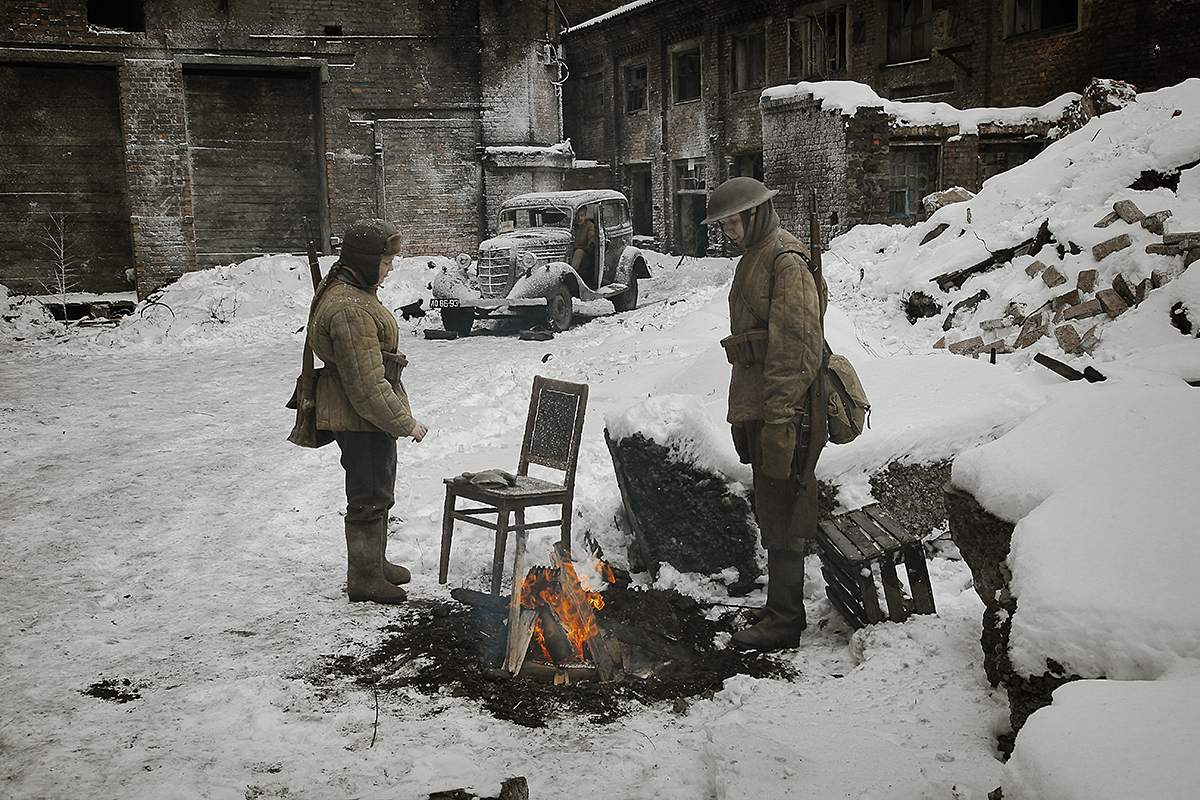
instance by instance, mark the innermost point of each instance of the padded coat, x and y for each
(350, 331)
(774, 289)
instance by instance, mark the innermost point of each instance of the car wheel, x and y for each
(559, 308)
(458, 320)
(627, 300)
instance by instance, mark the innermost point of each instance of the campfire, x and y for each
(552, 627)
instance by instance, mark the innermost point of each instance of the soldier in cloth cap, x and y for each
(361, 399)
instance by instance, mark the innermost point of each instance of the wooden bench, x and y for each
(857, 546)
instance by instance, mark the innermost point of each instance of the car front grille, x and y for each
(495, 267)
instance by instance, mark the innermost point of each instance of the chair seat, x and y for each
(527, 490)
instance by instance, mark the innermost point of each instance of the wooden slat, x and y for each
(865, 544)
(887, 521)
(845, 604)
(918, 579)
(876, 532)
(839, 542)
(892, 591)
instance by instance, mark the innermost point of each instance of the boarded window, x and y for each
(914, 174)
(686, 71)
(749, 61)
(909, 30)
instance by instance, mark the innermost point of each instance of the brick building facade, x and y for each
(665, 94)
(145, 139)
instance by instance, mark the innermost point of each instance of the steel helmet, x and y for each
(736, 195)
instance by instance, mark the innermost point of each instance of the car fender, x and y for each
(541, 279)
(632, 262)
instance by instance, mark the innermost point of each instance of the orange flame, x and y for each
(543, 586)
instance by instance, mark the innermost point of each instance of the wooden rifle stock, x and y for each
(314, 265)
(818, 401)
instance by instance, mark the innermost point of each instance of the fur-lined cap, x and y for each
(366, 243)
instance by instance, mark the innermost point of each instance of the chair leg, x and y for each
(498, 557)
(447, 534)
(566, 525)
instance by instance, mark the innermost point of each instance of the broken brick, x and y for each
(1052, 277)
(967, 346)
(1033, 330)
(995, 324)
(1068, 338)
(1154, 222)
(1158, 249)
(1143, 289)
(940, 344)
(1125, 289)
(1186, 240)
(1066, 300)
(1086, 282)
(1090, 339)
(1112, 302)
(1109, 219)
(1159, 279)
(1034, 269)
(1128, 211)
(1089, 309)
(1110, 246)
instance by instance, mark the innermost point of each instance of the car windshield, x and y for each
(546, 216)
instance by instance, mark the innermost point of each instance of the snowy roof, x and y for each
(616, 12)
(849, 96)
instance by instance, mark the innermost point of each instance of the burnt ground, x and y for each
(457, 647)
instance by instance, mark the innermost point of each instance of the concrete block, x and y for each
(1110, 246)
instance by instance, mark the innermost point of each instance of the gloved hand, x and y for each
(778, 449)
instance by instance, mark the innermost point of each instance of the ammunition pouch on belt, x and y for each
(746, 348)
(393, 367)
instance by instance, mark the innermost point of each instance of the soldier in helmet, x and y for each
(776, 348)
(361, 399)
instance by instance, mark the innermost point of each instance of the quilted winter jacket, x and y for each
(781, 295)
(349, 331)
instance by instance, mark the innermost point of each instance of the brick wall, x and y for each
(156, 154)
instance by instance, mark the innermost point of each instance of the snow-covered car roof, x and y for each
(572, 199)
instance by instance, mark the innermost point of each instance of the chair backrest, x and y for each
(554, 426)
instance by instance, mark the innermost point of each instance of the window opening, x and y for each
(818, 45)
(997, 157)
(910, 30)
(1038, 15)
(593, 94)
(124, 15)
(635, 88)
(748, 165)
(687, 75)
(913, 176)
(750, 61)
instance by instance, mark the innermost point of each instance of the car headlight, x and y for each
(528, 261)
(463, 260)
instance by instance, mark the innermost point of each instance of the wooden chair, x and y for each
(553, 429)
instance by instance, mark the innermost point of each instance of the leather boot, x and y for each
(784, 619)
(392, 573)
(364, 566)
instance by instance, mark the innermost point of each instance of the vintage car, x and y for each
(526, 268)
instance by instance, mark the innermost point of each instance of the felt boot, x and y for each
(784, 619)
(392, 573)
(364, 565)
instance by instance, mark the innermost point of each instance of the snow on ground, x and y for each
(162, 537)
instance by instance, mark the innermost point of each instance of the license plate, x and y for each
(449, 302)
